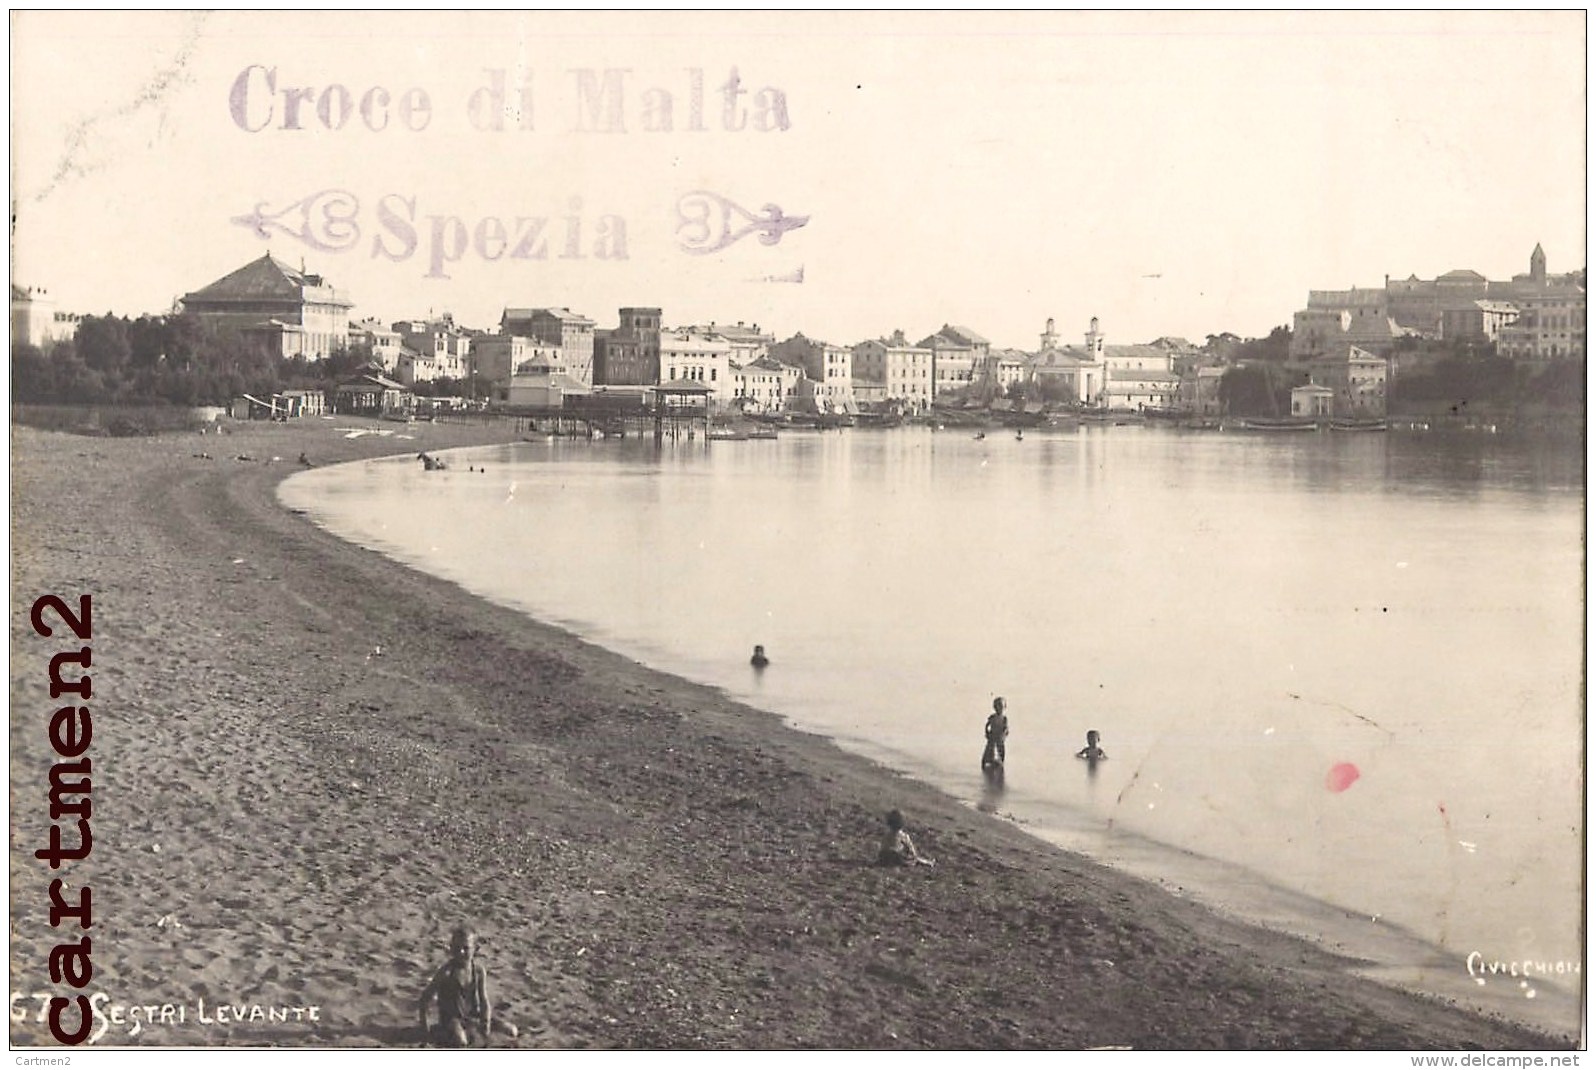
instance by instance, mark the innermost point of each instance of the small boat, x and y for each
(1358, 425)
(761, 432)
(726, 434)
(878, 420)
(1264, 423)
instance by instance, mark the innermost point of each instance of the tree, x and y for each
(1254, 390)
(102, 343)
(32, 373)
(1275, 348)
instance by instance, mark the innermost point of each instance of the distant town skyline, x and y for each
(1172, 174)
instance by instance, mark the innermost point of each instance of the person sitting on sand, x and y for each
(759, 661)
(465, 1013)
(897, 849)
(997, 734)
(1091, 752)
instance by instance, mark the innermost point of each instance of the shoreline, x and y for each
(1386, 947)
(487, 767)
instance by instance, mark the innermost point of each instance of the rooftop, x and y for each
(962, 334)
(266, 278)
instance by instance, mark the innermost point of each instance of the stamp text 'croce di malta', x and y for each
(604, 102)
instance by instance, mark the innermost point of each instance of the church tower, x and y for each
(1538, 266)
(1094, 342)
(1095, 392)
(1049, 336)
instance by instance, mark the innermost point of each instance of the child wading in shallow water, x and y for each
(465, 1013)
(1091, 752)
(896, 848)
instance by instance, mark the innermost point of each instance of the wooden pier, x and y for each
(672, 411)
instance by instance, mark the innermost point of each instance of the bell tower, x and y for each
(1538, 266)
(1049, 336)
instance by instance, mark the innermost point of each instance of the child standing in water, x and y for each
(1091, 752)
(997, 735)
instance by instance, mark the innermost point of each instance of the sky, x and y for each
(1169, 173)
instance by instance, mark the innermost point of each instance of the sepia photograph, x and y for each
(544, 530)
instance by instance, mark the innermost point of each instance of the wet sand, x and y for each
(311, 763)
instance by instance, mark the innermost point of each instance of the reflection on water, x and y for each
(1239, 614)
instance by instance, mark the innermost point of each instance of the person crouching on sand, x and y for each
(465, 1013)
(897, 849)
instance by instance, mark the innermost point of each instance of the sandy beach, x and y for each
(311, 764)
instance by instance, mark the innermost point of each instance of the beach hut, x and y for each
(369, 394)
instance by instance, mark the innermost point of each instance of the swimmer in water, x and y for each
(1091, 752)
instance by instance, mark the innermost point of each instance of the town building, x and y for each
(36, 321)
(1550, 325)
(1459, 304)
(954, 361)
(1064, 374)
(1007, 367)
(495, 358)
(829, 368)
(1338, 318)
(572, 332)
(747, 343)
(763, 385)
(1312, 401)
(539, 379)
(1121, 377)
(1356, 379)
(291, 313)
(903, 370)
(689, 356)
(1478, 321)
(1136, 377)
(383, 341)
(437, 349)
(628, 355)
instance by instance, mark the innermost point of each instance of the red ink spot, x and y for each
(1341, 776)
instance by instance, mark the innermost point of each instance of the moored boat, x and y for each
(1289, 423)
(1371, 424)
(879, 420)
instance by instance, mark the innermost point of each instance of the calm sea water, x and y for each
(1241, 617)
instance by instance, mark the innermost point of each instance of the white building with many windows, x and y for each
(685, 354)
